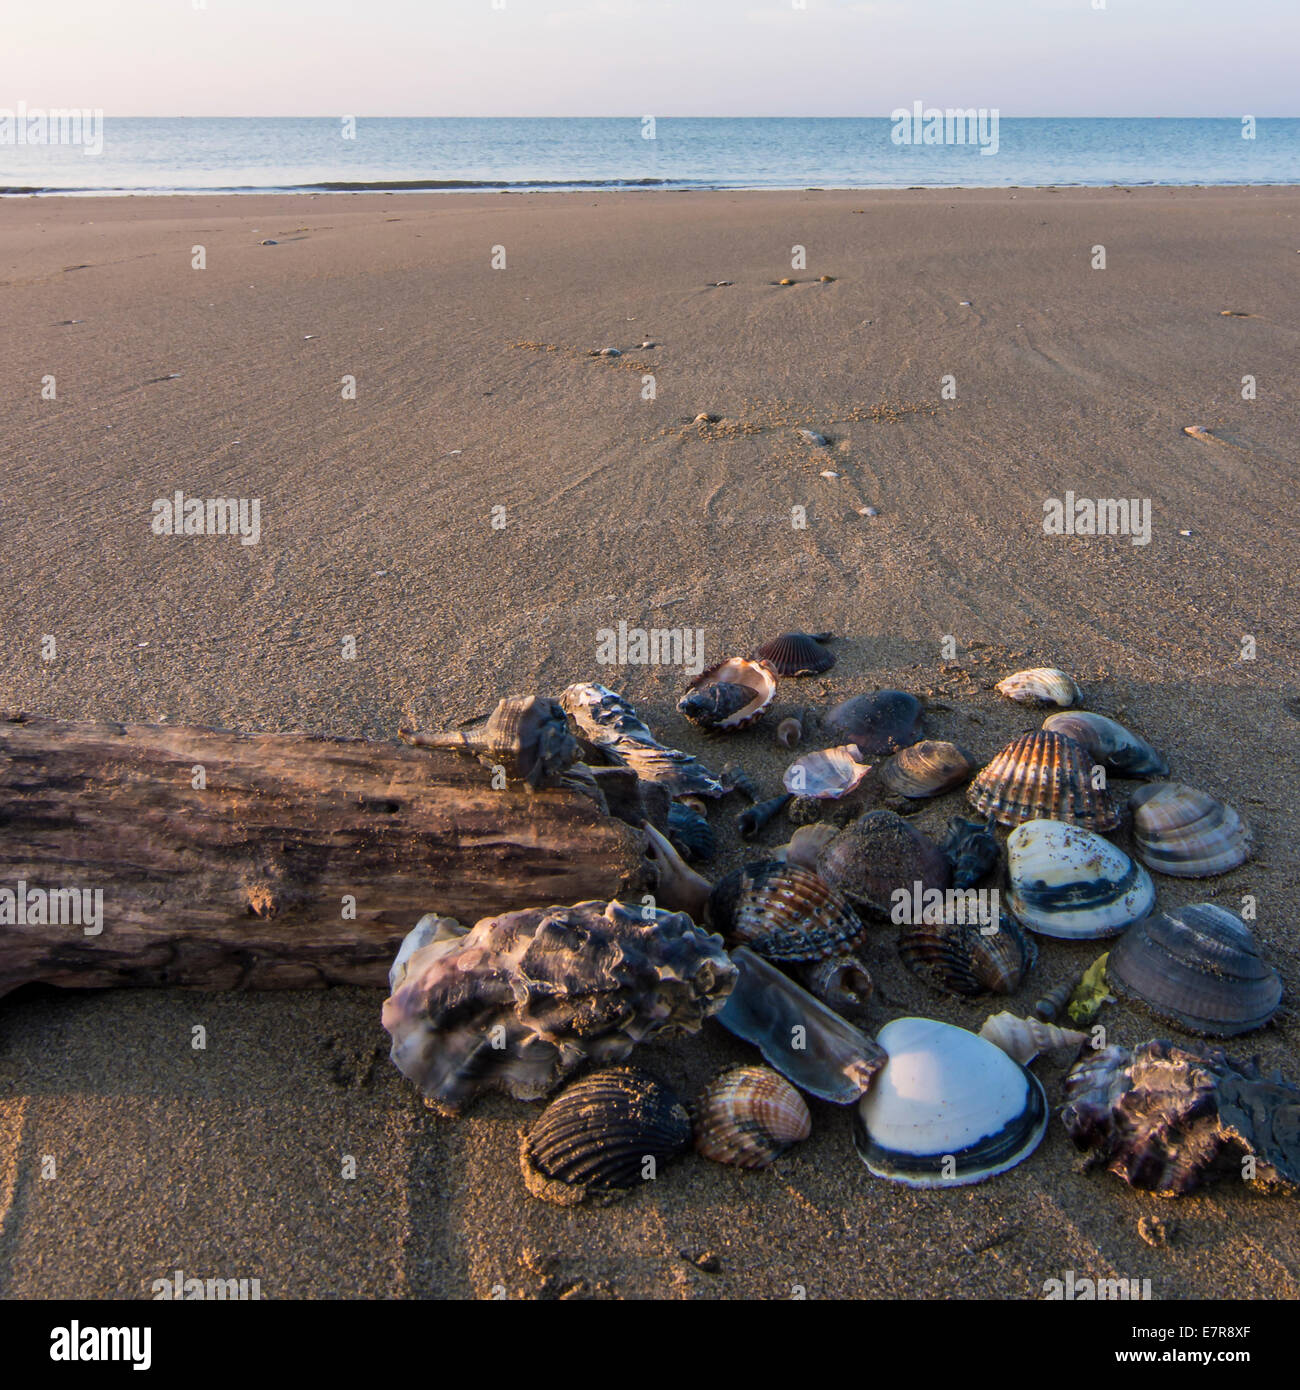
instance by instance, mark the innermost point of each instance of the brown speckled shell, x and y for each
(749, 1117)
(1043, 776)
(783, 912)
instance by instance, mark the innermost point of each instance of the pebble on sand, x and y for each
(818, 441)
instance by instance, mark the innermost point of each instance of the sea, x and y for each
(147, 155)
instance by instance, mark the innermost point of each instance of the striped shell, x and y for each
(1040, 685)
(1198, 966)
(797, 654)
(749, 1117)
(730, 696)
(1069, 883)
(1109, 743)
(958, 958)
(927, 768)
(1187, 833)
(783, 912)
(1043, 776)
(604, 1134)
(828, 774)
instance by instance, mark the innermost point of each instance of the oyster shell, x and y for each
(783, 912)
(1167, 1119)
(882, 722)
(1066, 882)
(1043, 776)
(749, 1117)
(611, 724)
(949, 1108)
(527, 735)
(879, 854)
(1187, 833)
(959, 958)
(1109, 743)
(1040, 685)
(1198, 966)
(927, 768)
(1023, 1039)
(605, 1135)
(797, 653)
(522, 1000)
(828, 774)
(730, 696)
(805, 1041)
(690, 833)
(972, 849)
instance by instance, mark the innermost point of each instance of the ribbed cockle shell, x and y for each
(749, 1117)
(783, 913)
(1043, 776)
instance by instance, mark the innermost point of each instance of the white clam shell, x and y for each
(830, 773)
(1067, 882)
(1040, 685)
(949, 1108)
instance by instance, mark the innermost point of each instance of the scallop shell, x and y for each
(797, 654)
(1023, 1039)
(1109, 743)
(882, 722)
(972, 849)
(1198, 966)
(1040, 685)
(749, 1117)
(783, 912)
(605, 1134)
(830, 773)
(730, 696)
(691, 833)
(805, 1041)
(927, 768)
(1043, 776)
(1187, 833)
(958, 958)
(949, 1108)
(1066, 882)
(879, 854)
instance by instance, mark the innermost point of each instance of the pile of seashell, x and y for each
(776, 950)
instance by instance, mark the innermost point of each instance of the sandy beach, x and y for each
(490, 500)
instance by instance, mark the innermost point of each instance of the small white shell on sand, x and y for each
(829, 473)
(818, 441)
(609, 352)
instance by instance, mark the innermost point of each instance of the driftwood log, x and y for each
(232, 860)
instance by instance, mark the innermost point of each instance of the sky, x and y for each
(651, 57)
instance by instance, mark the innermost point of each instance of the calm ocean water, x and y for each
(249, 154)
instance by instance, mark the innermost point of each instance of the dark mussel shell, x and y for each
(1198, 966)
(604, 1135)
(783, 913)
(958, 958)
(797, 654)
(972, 849)
(880, 723)
(690, 833)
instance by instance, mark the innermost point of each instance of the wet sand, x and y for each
(474, 392)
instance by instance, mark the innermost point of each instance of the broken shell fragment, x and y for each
(806, 844)
(612, 725)
(956, 954)
(749, 1117)
(690, 833)
(754, 819)
(1198, 966)
(1167, 1118)
(1040, 685)
(730, 696)
(1187, 833)
(604, 1135)
(948, 1109)
(783, 912)
(1023, 1039)
(527, 735)
(927, 768)
(1043, 776)
(1069, 883)
(882, 722)
(828, 774)
(797, 653)
(1109, 743)
(972, 849)
(522, 1000)
(789, 732)
(1092, 991)
(880, 853)
(805, 1041)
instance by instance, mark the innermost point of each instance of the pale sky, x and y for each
(651, 57)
